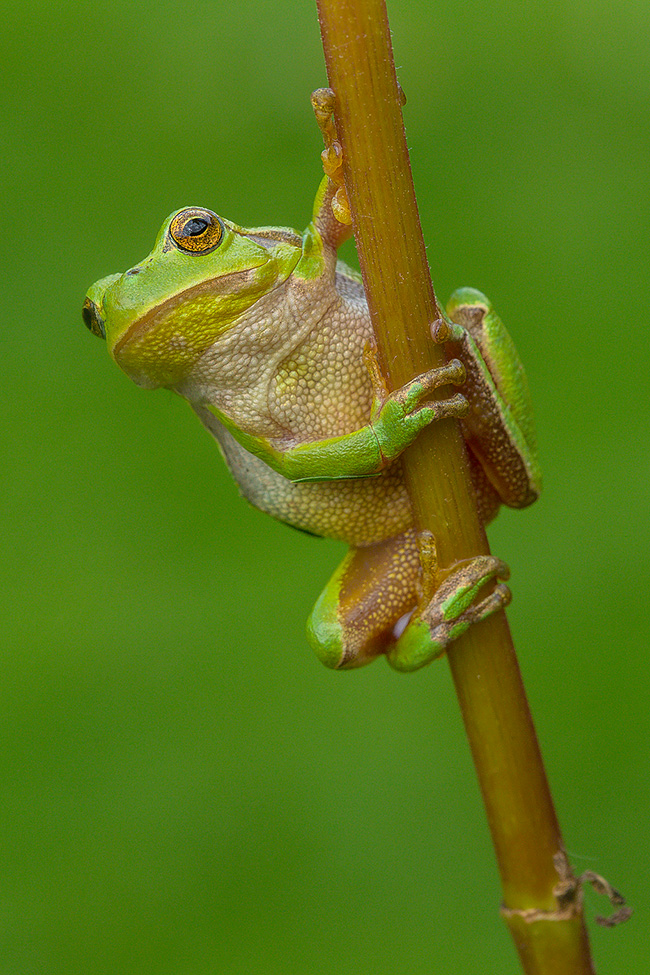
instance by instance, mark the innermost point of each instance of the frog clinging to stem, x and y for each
(268, 337)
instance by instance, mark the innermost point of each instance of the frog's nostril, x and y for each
(92, 318)
(134, 270)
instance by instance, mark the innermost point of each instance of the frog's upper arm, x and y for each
(323, 236)
(332, 230)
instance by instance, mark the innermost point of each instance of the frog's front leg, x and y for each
(396, 420)
(374, 604)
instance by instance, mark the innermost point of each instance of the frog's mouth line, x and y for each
(235, 281)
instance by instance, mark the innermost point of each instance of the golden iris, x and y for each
(195, 230)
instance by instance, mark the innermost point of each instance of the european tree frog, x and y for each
(268, 338)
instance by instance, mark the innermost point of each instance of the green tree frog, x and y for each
(268, 337)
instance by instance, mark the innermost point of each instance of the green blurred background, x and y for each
(186, 790)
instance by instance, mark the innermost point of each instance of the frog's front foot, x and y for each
(414, 392)
(323, 101)
(451, 612)
(398, 417)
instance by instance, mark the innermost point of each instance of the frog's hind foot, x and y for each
(451, 611)
(454, 598)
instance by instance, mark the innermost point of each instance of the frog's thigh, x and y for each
(355, 616)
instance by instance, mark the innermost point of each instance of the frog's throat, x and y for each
(238, 282)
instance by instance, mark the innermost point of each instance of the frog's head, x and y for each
(203, 274)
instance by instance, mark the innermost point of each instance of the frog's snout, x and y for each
(92, 319)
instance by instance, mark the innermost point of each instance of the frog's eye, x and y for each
(197, 231)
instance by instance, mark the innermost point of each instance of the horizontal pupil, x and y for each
(194, 228)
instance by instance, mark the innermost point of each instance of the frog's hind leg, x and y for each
(355, 617)
(379, 601)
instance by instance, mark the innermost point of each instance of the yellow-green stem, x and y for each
(402, 304)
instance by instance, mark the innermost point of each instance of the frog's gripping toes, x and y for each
(451, 612)
(398, 417)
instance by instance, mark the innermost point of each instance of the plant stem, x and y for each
(402, 304)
